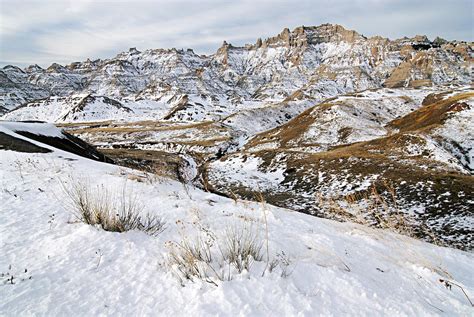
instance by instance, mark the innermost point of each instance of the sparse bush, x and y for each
(375, 209)
(241, 247)
(369, 208)
(283, 261)
(99, 207)
(193, 259)
(211, 258)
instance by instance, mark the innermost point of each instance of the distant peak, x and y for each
(330, 33)
(133, 50)
(223, 51)
(304, 35)
(33, 68)
(55, 67)
(225, 44)
(13, 67)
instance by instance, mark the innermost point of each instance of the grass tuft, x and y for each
(99, 207)
(213, 258)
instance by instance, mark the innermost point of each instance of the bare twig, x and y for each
(448, 285)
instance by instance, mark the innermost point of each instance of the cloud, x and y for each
(64, 31)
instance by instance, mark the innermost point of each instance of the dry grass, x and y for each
(205, 143)
(430, 114)
(100, 207)
(213, 258)
(137, 126)
(241, 247)
(370, 208)
(157, 165)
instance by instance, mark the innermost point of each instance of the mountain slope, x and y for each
(318, 62)
(48, 257)
(351, 144)
(316, 111)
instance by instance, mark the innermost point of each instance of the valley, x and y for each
(309, 116)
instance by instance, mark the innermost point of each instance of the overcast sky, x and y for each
(47, 31)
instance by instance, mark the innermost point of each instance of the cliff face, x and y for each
(267, 71)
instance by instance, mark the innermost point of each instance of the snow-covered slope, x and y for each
(54, 265)
(343, 120)
(74, 108)
(45, 133)
(443, 119)
(15, 89)
(415, 143)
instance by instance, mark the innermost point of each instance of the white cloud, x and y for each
(64, 31)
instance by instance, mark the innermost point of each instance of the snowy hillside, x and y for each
(412, 146)
(316, 112)
(53, 264)
(221, 168)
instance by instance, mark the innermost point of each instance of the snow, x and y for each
(458, 128)
(335, 268)
(245, 169)
(66, 267)
(46, 129)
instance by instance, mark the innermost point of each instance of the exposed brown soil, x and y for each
(158, 162)
(431, 113)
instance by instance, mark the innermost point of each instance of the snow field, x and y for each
(77, 269)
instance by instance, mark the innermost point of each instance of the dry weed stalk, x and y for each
(262, 201)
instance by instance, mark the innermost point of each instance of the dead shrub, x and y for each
(98, 206)
(213, 258)
(376, 209)
(370, 208)
(242, 247)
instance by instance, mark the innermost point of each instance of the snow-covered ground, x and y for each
(64, 267)
(458, 129)
(245, 168)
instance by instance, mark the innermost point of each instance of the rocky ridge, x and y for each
(318, 62)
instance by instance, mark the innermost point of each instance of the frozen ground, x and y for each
(64, 267)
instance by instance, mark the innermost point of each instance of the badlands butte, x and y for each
(320, 120)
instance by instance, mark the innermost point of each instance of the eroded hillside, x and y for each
(306, 117)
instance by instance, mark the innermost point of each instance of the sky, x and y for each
(46, 31)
